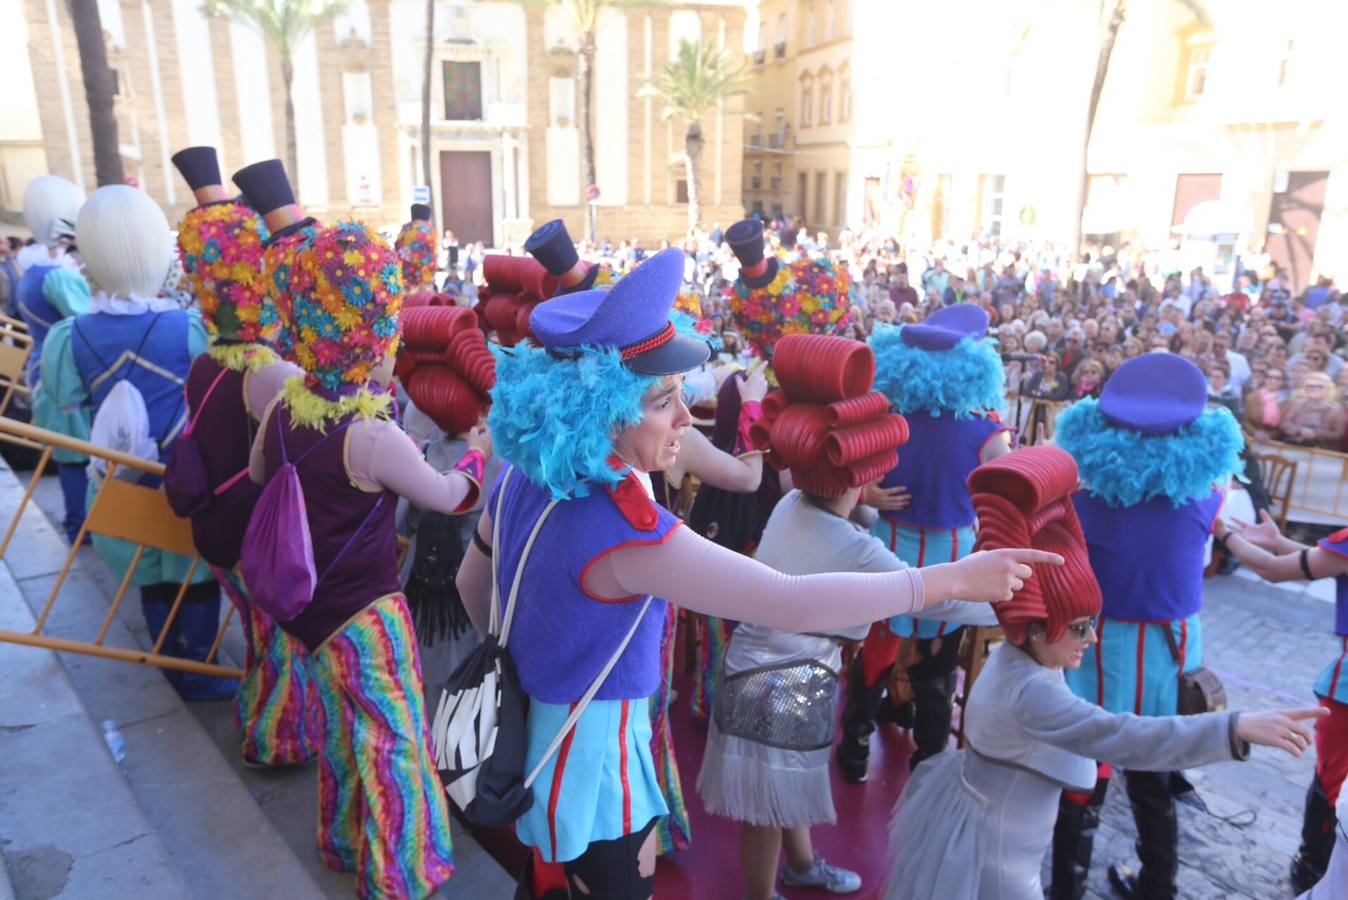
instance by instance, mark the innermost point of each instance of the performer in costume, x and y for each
(973, 824)
(133, 336)
(418, 248)
(382, 811)
(220, 246)
(1151, 460)
(577, 417)
(946, 380)
(1276, 558)
(771, 774)
(52, 289)
(769, 299)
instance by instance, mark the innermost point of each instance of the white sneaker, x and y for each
(822, 876)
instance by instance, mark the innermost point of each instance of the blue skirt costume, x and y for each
(1333, 681)
(601, 784)
(1148, 559)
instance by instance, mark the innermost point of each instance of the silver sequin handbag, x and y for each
(789, 706)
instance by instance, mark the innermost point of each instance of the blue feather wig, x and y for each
(556, 418)
(965, 380)
(1124, 467)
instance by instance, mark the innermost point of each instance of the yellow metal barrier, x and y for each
(1318, 492)
(15, 347)
(123, 510)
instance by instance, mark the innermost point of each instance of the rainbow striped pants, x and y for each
(276, 708)
(381, 810)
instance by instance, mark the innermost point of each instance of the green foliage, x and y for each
(698, 79)
(283, 23)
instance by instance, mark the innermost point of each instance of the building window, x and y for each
(756, 183)
(562, 101)
(463, 91)
(781, 36)
(761, 51)
(777, 140)
(1194, 64)
(820, 197)
(777, 212)
(803, 194)
(806, 104)
(840, 199)
(776, 183)
(758, 207)
(992, 192)
(1285, 57)
(681, 191)
(808, 39)
(845, 94)
(830, 21)
(825, 99)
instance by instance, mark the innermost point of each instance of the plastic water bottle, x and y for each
(113, 738)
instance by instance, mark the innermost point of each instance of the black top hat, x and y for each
(421, 211)
(199, 166)
(265, 185)
(551, 245)
(745, 238)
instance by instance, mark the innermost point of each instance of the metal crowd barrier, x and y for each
(1318, 494)
(1033, 418)
(123, 510)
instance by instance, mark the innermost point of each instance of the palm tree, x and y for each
(1109, 33)
(98, 91)
(695, 82)
(283, 24)
(586, 16)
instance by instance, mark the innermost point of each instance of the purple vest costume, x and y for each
(935, 464)
(1148, 558)
(561, 636)
(224, 435)
(348, 581)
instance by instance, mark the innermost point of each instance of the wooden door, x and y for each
(1293, 223)
(1191, 190)
(465, 194)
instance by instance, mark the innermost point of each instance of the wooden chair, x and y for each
(1279, 475)
(15, 347)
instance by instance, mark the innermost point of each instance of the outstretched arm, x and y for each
(700, 458)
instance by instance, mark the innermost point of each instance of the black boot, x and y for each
(1317, 839)
(933, 704)
(1157, 839)
(1073, 842)
(858, 721)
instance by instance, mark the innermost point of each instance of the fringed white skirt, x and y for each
(762, 785)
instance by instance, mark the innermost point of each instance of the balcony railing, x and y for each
(756, 184)
(780, 50)
(759, 57)
(774, 142)
(774, 184)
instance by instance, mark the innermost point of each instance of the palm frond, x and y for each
(284, 23)
(696, 80)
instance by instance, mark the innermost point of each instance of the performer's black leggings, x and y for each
(607, 870)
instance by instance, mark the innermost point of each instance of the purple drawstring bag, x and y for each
(186, 481)
(277, 561)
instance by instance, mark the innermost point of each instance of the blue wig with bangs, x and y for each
(965, 380)
(1124, 467)
(555, 418)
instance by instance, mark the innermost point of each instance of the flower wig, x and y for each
(280, 256)
(1024, 499)
(556, 418)
(808, 296)
(1124, 467)
(417, 247)
(346, 289)
(220, 246)
(965, 380)
(825, 423)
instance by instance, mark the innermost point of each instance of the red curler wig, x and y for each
(824, 423)
(1024, 499)
(514, 286)
(445, 366)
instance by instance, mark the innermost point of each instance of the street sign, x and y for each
(421, 193)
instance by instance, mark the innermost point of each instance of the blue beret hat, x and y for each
(946, 327)
(1157, 393)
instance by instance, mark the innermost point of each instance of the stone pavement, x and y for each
(1267, 643)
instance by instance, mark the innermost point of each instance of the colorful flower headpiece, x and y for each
(220, 246)
(417, 249)
(346, 289)
(825, 423)
(807, 296)
(279, 259)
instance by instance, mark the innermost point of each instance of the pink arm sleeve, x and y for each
(697, 574)
(380, 454)
(261, 386)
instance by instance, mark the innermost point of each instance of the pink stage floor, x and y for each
(709, 869)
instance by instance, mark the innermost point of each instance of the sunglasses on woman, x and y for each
(1082, 630)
